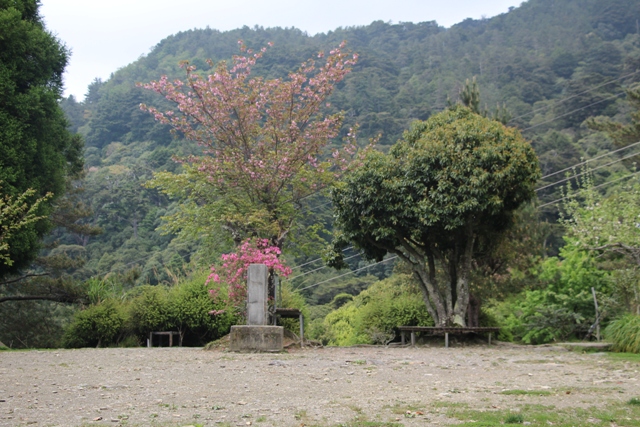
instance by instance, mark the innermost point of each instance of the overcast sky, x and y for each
(106, 35)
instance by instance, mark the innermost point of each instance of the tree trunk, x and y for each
(462, 283)
(473, 311)
(134, 224)
(436, 304)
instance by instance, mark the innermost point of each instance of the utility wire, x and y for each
(593, 188)
(346, 274)
(320, 205)
(320, 268)
(590, 170)
(574, 111)
(574, 96)
(592, 159)
(317, 259)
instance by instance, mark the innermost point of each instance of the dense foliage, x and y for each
(37, 151)
(549, 64)
(128, 318)
(373, 316)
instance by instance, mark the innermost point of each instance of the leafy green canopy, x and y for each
(36, 150)
(447, 189)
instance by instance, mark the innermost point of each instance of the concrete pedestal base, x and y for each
(247, 338)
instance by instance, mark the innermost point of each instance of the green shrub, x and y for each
(342, 327)
(562, 307)
(374, 316)
(541, 316)
(390, 303)
(149, 310)
(624, 333)
(98, 325)
(189, 306)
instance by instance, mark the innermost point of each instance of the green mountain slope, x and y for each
(549, 61)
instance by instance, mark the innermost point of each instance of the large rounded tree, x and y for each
(36, 149)
(447, 188)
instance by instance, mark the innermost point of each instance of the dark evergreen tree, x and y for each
(36, 149)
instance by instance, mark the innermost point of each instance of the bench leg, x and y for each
(446, 340)
(413, 339)
(301, 331)
(489, 338)
(150, 340)
(402, 340)
(170, 340)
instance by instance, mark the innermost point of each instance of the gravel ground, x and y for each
(321, 386)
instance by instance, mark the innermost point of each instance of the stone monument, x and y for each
(257, 334)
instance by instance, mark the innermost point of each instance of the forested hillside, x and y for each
(545, 67)
(581, 51)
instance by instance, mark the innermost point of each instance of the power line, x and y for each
(590, 170)
(320, 268)
(319, 206)
(346, 274)
(574, 111)
(592, 159)
(574, 96)
(317, 259)
(593, 188)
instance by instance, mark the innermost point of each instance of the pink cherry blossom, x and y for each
(233, 270)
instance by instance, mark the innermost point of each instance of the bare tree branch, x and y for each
(26, 276)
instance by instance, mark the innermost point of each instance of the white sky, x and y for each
(106, 35)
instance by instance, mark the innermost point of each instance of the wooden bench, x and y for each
(293, 313)
(441, 330)
(164, 333)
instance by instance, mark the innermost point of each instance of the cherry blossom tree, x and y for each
(264, 141)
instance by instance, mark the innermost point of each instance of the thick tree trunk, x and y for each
(473, 311)
(462, 283)
(433, 300)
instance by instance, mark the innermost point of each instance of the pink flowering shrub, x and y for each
(233, 270)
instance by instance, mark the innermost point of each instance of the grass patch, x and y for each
(615, 413)
(634, 401)
(514, 419)
(526, 392)
(626, 357)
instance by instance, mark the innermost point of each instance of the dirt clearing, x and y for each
(324, 387)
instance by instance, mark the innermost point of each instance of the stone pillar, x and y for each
(257, 296)
(256, 335)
